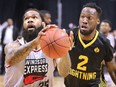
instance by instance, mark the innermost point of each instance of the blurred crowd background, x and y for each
(63, 12)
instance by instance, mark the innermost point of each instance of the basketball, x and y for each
(55, 43)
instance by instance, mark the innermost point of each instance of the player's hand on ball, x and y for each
(42, 32)
(51, 26)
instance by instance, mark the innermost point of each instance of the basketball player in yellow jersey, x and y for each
(90, 49)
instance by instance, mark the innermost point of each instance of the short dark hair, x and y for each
(93, 5)
(107, 21)
(31, 9)
(43, 12)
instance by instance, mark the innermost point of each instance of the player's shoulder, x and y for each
(103, 39)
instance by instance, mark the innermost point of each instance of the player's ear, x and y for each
(98, 21)
(43, 24)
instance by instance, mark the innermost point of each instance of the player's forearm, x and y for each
(19, 54)
(112, 71)
(63, 65)
(113, 76)
(111, 66)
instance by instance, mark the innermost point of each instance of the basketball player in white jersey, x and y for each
(26, 65)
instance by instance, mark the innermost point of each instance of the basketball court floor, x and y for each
(58, 81)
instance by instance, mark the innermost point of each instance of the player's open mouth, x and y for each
(84, 27)
(31, 27)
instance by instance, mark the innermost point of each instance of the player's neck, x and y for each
(38, 47)
(88, 37)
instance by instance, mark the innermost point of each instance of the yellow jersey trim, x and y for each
(90, 43)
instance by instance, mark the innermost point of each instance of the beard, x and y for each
(30, 35)
(86, 33)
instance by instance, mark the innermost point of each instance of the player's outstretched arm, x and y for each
(16, 52)
(63, 65)
(112, 70)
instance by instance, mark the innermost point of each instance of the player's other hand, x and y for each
(71, 38)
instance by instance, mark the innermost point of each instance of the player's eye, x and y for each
(82, 16)
(25, 18)
(90, 18)
(35, 17)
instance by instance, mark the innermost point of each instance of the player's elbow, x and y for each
(64, 65)
(64, 73)
(9, 59)
(64, 70)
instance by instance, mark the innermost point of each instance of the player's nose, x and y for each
(30, 21)
(85, 20)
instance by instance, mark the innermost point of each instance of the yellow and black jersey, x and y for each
(86, 58)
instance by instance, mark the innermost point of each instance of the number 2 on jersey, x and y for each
(82, 63)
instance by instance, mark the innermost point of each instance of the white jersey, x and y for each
(35, 71)
(111, 39)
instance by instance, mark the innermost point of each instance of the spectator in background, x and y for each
(46, 16)
(72, 26)
(9, 34)
(2, 26)
(105, 28)
(114, 34)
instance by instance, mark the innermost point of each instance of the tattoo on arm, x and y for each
(17, 54)
(21, 54)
